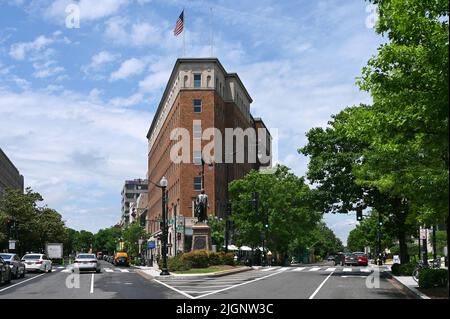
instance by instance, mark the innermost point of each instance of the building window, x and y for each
(197, 128)
(197, 80)
(197, 157)
(198, 183)
(208, 81)
(185, 81)
(197, 106)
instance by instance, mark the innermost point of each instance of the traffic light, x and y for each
(359, 215)
(266, 221)
(178, 236)
(255, 200)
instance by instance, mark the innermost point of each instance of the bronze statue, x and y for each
(201, 207)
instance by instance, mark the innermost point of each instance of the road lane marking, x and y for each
(330, 269)
(92, 284)
(22, 282)
(174, 289)
(123, 270)
(314, 269)
(354, 276)
(61, 267)
(241, 284)
(366, 270)
(320, 286)
(299, 269)
(108, 270)
(66, 270)
(347, 269)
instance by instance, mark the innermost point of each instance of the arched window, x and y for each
(208, 81)
(185, 83)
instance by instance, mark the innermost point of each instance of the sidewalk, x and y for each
(409, 283)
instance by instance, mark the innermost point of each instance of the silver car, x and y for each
(86, 262)
(17, 267)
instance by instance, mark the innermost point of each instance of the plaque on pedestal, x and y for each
(201, 237)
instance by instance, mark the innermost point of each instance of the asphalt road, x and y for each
(112, 282)
(321, 281)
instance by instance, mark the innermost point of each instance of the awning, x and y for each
(245, 248)
(231, 247)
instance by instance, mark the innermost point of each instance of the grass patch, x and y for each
(206, 270)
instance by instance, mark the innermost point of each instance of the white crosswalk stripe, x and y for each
(330, 269)
(123, 270)
(347, 269)
(61, 267)
(314, 269)
(108, 270)
(299, 269)
(366, 270)
(66, 270)
(270, 268)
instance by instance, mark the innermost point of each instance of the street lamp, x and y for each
(163, 185)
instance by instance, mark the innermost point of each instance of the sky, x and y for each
(76, 103)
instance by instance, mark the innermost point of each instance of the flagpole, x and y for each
(184, 33)
(211, 30)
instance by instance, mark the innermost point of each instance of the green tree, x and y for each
(131, 235)
(83, 241)
(20, 212)
(366, 234)
(217, 231)
(106, 239)
(284, 201)
(335, 155)
(50, 226)
(323, 242)
(408, 121)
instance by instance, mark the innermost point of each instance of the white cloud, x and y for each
(128, 101)
(121, 31)
(46, 69)
(74, 145)
(128, 68)
(154, 81)
(19, 51)
(98, 62)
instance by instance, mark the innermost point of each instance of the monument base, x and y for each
(201, 237)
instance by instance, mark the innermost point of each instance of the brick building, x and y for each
(199, 95)
(9, 175)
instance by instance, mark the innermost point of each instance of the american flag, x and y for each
(180, 24)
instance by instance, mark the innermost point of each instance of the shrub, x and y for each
(395, 269)
(197, 258)
(429, 278)
(178, 263)
(227, 259)
(214, 259)
(403, 269)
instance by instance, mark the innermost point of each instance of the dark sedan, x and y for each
(5, 272)
(16, 265)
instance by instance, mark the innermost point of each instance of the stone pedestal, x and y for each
(201, 237)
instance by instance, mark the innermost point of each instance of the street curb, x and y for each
(195, 276)
(406, 288)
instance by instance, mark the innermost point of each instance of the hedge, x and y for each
(403, 269)
(429, 278)
(198, 259)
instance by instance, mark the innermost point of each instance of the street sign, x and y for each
(179, 228)
(12, 244)
(151, 244)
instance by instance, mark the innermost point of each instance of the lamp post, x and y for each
(163, 184)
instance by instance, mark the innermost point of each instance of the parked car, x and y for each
(339, 259)
(5, 272)
(362, 258)
(17, 267)
(350, 259)
(37, 262)
(86, 262)
(121, 259)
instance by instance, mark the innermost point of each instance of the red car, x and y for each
(362, 258)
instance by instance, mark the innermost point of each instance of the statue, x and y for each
(201, 206)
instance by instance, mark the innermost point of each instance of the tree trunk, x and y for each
(404, 257)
